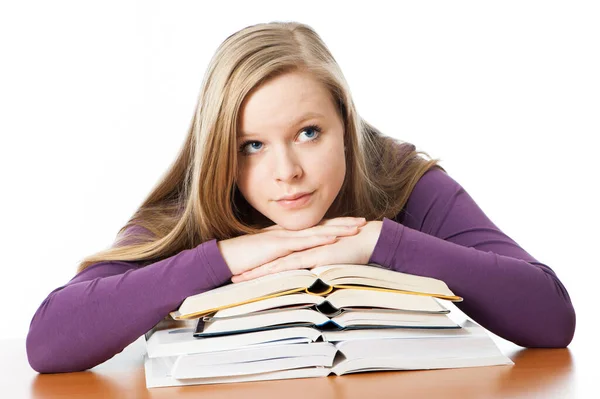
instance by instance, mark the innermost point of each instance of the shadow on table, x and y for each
(88, 384)
(538, 372)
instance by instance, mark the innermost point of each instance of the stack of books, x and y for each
(334, 319)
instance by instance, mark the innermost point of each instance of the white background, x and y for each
(96, 99)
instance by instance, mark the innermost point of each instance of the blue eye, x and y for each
(252, 144)
(310, 129)
(257, 145)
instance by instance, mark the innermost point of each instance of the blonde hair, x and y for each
(197, 199)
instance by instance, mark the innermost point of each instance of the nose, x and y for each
(286, 167)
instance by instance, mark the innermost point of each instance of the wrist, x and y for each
(223, 248)
(373, 231)
(211, 260)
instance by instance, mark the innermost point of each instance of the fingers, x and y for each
(342, 226)
(295, 261)
(286, 259)
(343, 221)
(331, 230)
(252, 274)
(294, 244)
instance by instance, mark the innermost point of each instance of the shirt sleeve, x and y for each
(442, 233)
(111, 304)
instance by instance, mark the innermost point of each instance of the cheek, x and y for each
(333, 171)
(250, 181)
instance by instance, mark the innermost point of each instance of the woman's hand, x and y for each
(249, 251)
(352, 249)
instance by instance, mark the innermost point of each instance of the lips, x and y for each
(293, 196)
(299, 202)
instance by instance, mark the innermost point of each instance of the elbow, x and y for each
(556, 330)
(46, 347)
(565, 328)
(40, 363)
(55, 343)
(50, 351)
(44, 355)
(39, 354)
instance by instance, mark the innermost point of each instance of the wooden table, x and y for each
(539, 373)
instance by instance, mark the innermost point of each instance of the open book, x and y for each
(175, 341)
(346, 319)
(318, 281)
(407, 349)
(335, 302)
(180, 340)
(174, 338)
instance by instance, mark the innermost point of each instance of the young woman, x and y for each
(276, 173)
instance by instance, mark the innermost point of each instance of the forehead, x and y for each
(283, 101)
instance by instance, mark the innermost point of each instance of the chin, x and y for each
(298, 222)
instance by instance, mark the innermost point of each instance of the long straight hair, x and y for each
(197, 199)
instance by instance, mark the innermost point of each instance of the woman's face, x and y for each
(290, 141)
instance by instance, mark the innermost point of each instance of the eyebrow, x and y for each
(303, 118)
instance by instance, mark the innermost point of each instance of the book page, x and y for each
(317, 271)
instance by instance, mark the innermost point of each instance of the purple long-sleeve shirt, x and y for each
(440, 233)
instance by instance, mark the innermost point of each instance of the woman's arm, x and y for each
(442, 233)
(111, 304)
